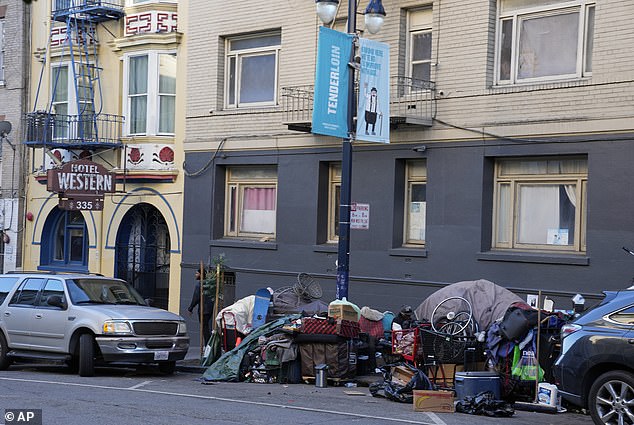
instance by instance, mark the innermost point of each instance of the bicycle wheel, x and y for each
(455, 314)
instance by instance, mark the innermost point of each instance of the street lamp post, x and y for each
(374, 14)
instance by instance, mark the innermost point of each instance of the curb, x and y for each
(190, 367)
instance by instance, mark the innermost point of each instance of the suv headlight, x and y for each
(116, 327)
(182, 328)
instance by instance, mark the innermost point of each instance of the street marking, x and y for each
(435, 419)
(142, 384)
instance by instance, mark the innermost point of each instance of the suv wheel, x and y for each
(86, 355)
(609, 398)
(167, 368)
(4, 349)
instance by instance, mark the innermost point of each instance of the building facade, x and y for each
(104, 135)
(509, 159)
(14, 66)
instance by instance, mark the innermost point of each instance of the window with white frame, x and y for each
(72, 101)
(415, 202)
(60, 100)
(151, 93)
(135, 2)
(252, 70)
(419, 45)
(334, 201)
(543, 40)
(540, 203)
(1, 49)
(251, 202)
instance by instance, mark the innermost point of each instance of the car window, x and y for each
(6, 284)
(52, 287)
(625, 316)
(27, 292)
(103, 291)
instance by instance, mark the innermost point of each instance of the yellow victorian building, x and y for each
(106, 102)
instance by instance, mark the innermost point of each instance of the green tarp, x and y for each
(227, 367)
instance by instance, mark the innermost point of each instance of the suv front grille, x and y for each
(155, 328)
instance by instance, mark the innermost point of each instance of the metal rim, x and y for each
(614, 402)
(461, 326)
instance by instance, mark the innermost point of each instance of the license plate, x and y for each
(161, 355)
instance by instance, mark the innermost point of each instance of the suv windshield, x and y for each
(103, 291)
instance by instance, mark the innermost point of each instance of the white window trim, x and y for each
(240, 184)
(334, 181)
(258, 51)
(153, 101)
(130, 3)
(413, 30)
(2, 52)
(514, 183)
(540, 11)
(409, 182)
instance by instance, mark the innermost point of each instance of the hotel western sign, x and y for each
(81, 185)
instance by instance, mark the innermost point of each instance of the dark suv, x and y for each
(596, 365)
(84, 320)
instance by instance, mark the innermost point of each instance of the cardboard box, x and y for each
(443, 374)
(401, 375)
(434, 401)
(343, 311)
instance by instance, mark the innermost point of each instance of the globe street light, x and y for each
(374, 16)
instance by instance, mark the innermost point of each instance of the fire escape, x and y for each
(73, 117)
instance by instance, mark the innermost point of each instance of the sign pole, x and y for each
(200, 310)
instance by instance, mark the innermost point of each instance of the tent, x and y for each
(488, 301)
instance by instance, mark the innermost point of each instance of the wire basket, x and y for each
(446, 348)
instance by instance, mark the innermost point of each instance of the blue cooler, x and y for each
(470, 384)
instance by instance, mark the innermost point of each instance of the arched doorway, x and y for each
(64, 241)
(143, 253)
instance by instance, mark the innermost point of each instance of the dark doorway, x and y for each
(143, 253)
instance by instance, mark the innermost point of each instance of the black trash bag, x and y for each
(401, 393)
(391, 391)
(485, 404)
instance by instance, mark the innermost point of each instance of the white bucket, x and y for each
(548, 394)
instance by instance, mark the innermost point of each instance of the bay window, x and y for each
(151, 93)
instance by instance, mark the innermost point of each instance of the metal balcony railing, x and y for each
(43, 129)
(93, 10)
(297, 103)
(412, 102)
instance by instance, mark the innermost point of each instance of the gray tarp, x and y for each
(227, 367)
(488, 301)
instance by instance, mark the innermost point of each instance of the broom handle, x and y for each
(539, 327)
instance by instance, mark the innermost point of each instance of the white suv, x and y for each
(83, 320)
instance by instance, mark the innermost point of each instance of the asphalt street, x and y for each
(145, 396)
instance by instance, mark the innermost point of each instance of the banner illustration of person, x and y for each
(373, 109)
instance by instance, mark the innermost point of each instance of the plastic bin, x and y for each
(470, 384)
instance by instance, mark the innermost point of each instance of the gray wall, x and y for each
(458, 225)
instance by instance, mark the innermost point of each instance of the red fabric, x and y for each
(346, 328)
(371, 327)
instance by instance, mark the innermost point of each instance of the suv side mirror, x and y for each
(149, 302)
(56, 301)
